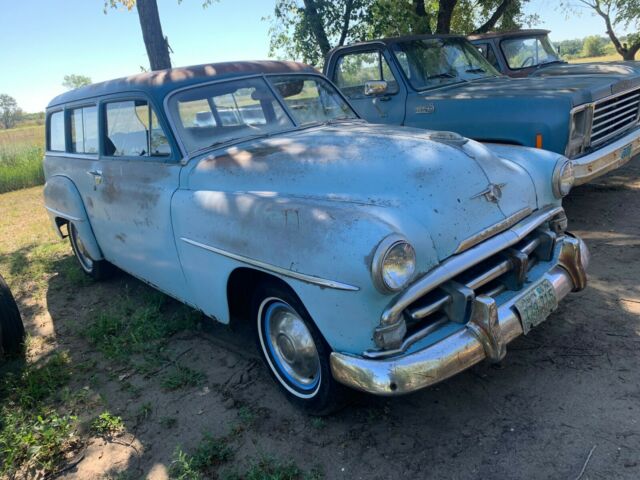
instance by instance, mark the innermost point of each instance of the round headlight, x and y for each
(563, 179)
(393, 264)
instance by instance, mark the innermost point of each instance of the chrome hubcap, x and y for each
(292, 345)
(81, 251)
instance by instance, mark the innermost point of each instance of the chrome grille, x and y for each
(613, 115)
(506, 270)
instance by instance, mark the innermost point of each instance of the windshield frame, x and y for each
(461, 42)
(541, 38)
(188, 155)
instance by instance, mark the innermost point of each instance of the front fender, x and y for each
(64, 204)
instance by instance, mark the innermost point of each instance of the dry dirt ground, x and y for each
(571, 387)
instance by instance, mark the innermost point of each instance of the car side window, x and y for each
(491, 57)
(132, 130)
(56, 141)
(354, 69)
(84, 129)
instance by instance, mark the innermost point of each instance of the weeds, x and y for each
(268, 468)
(209, 453)
(107, 425)
(183, 377)
(21, 152)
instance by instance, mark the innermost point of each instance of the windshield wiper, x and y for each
(441, 75)
(476, 70)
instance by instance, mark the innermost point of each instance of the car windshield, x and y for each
(214, 114)
(435, 62)
(523, 52)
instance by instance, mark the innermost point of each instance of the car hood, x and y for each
(614, 69)
(400, 175)
(577, 89)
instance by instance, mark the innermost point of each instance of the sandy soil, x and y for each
(572, 385)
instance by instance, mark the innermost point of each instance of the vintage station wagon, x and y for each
(384, 259)
(443, 83)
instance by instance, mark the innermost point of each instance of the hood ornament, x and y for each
(493, 193)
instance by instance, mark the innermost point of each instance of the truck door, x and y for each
(353, 70)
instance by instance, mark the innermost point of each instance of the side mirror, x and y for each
(375, 87)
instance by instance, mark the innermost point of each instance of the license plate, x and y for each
(536, 305)
(626, 152)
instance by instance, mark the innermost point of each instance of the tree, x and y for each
(156, 44)
(9, 111)
(592, 47)
(75, 81)
(616, 13)
(308, 29)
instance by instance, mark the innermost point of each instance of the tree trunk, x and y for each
(155, 42)
(497, 15)
(317, 27)
(630, 53)
(421, 11)
(445, 13)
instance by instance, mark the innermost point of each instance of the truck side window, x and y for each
(84, 129)
(354, 69)
(132, 130)
(56, 132)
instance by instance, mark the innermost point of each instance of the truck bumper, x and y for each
(410, 372)
(607, 158)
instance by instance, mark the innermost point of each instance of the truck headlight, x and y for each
(394, 264)
(579, 131)
(563, 178)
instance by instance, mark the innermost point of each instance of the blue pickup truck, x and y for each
(444, 83)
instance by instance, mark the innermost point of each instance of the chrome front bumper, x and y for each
(491, 328)
(607, 158)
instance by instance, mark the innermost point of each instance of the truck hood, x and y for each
(577, 90)
(614, 69)
(415, 184)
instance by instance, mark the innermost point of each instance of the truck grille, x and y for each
(613, 115)
(506, 270)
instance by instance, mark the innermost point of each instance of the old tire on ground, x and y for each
(11, 327)
(96, 269)
(294, 351)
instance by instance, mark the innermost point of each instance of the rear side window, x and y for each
(84, 129)
(354, 69)
(133, 130)
(56, 132)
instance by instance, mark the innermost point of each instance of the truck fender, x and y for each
(64, 204)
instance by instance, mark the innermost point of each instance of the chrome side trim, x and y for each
(493, 230)
(459, 263)
(64, 215)
(323, 282)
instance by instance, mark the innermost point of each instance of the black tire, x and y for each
(96, 269)
(327, 396)
(11, 327)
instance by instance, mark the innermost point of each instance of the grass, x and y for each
(107, 425)
(183, 377)
(269, 468)
(613, 57)
(36, 433)
(21, 152)
(209, 453)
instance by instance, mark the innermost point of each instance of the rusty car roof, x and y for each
(403, 38)
(510, 33)
(160, 82)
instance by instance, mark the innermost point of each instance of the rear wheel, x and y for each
(11, 327)
(294, 351)
(97, 269)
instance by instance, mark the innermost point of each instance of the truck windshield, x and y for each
(523, 52)
(435, 62)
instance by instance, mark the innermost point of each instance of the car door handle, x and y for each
(95, 173)
(385, 98)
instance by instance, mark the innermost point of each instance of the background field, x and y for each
(21, 151)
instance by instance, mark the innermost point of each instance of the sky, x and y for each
(44, 40)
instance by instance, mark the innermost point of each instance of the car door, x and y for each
(132, 185)
(351, 71)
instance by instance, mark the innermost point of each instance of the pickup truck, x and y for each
(523, 53)
(443, 83)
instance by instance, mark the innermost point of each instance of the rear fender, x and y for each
(64, 204)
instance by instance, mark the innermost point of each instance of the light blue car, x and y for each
(444, 83)
(384, 259)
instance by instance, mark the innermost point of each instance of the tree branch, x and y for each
(317, 28)
(497, 15)
(421, 12)
(346, 19)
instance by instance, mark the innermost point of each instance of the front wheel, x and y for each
(97, 269)
(295, 353)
